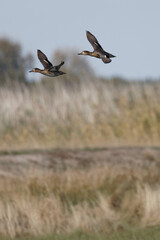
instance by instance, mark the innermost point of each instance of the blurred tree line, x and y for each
(14, 64)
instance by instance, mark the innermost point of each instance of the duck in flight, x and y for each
(98, 50)
(49, 70)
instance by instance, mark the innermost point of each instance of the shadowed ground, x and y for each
(19, 162)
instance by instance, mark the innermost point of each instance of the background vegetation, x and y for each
(74, 114)
(78, 110)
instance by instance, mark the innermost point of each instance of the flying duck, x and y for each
(49, 70)
(98, 50)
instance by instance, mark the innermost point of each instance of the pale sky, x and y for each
(128, 29)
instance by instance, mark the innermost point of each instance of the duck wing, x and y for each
(93, 41)
(44, 60)
(56, 68)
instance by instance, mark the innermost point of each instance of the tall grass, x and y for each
(99, 199)
(88, 113)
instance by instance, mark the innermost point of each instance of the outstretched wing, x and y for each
(56, 68)
(93, 41)
(44, 60)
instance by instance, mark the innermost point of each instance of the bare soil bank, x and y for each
(13, 163)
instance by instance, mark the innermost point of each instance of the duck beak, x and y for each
(31, 71)
(79, 53)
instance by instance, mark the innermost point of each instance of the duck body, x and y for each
(49, 70)
(98, 50)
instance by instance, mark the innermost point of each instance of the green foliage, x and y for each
(12, 63)
(134, 234)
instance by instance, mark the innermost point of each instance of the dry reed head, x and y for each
(86, 113)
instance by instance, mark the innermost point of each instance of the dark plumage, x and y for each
(49, 69)
(98, 50)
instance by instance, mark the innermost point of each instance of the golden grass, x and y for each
(90, 113)
(97, 199)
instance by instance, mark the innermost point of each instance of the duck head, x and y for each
(84, 53)
(35, 70)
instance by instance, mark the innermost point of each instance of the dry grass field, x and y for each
(90, 191)
(111, 188)
(78, 114)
